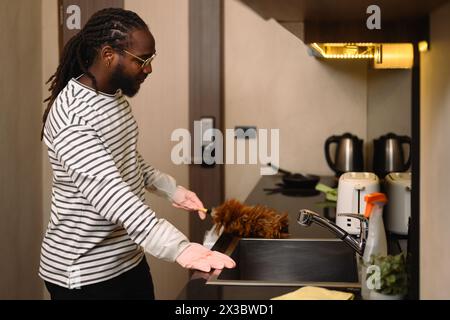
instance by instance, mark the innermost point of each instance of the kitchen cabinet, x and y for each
(346, 21)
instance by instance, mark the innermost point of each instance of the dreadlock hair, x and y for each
(111, 27)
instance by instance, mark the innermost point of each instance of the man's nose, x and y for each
(148, 69)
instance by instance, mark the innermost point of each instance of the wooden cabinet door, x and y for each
(73, 15)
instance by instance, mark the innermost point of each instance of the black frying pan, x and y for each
(297, 180)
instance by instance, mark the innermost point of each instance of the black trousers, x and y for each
(135, 284)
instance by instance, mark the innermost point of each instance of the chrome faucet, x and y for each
(307, 217)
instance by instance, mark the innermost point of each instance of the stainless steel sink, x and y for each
(289, 262)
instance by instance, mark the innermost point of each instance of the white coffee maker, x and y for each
(352, 188)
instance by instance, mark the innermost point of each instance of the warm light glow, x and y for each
(395, 56)
(423, 46)
(344, 50)
(319, 49)
(384, 56)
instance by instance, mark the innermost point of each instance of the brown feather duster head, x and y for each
(250, 221)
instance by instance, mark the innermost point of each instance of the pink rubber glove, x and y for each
(188, 200)
(196, 256)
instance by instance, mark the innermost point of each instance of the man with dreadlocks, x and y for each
(100, 226)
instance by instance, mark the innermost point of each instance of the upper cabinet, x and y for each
(321, 21)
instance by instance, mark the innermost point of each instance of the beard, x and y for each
(129, 85)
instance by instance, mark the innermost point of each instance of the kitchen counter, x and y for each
(196, 288)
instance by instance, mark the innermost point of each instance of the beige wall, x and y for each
(20, 161)
(388, 106)
(50, 58)
(435, 158)
(272, 82)
(160, 107)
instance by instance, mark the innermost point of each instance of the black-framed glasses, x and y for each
(146, 62)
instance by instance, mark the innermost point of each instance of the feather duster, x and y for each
(250, 221)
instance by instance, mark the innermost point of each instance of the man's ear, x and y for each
(108, 55)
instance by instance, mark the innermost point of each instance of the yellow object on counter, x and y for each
(315, 293)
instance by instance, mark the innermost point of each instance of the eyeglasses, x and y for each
(146, 62)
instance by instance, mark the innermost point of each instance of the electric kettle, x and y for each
(398, 211)
(388, 155)
(348, 155)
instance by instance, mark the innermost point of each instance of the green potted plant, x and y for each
(393, 277)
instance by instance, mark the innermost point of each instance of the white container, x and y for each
(380, 296)
(352, 188)
(398, 209)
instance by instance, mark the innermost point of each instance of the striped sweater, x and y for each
(99, 224)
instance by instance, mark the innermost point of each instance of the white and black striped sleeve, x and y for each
(92, 169)
(156, 181)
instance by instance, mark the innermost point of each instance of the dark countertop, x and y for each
(196, 288)
(292, 204)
